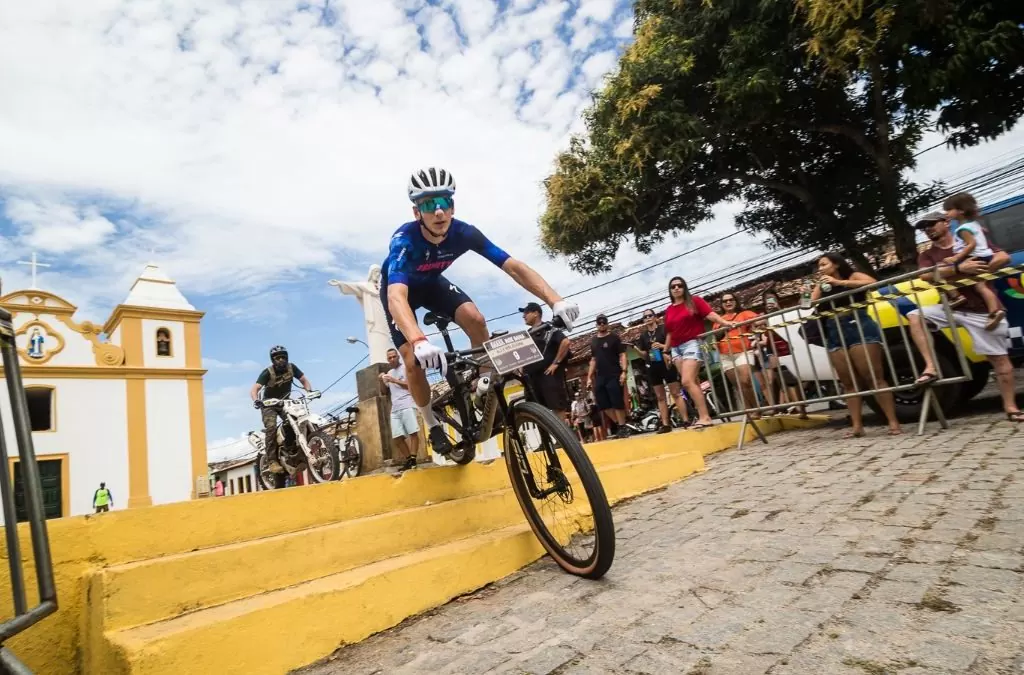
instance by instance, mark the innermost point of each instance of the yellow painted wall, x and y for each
(84, 543)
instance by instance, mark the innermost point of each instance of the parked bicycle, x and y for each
(536, 444)
(348, 447)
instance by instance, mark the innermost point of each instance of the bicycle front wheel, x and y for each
(559, 491)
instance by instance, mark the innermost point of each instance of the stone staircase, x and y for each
(269, 582)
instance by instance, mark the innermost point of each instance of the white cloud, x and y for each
(250, 143)
(216, 364)
(598, 10)
(58, 228)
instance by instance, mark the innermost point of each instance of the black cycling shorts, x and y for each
(661, 373)
(438, 295)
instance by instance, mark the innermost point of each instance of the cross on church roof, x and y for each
(34, 264)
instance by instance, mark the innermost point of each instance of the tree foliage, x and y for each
(807, 110)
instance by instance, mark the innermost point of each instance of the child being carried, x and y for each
(970, 242)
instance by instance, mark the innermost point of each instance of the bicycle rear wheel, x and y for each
(583, 540)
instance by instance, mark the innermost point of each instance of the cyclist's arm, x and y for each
(401, 312)
(305, 383)
(531, 281)
(255, 391)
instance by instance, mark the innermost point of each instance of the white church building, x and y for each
(119, 403)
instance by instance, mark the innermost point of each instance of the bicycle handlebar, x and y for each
(556, 322)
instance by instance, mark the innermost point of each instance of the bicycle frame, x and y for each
(495, 402)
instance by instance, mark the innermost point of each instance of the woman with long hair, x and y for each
(660, 371)
(853, 339)
(684, 323)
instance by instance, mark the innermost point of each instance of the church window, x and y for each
(163, 342)
(40, 408)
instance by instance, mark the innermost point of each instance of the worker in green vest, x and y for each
(102, 499)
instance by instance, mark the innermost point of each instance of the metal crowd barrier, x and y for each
(24, 617)
(821, 314)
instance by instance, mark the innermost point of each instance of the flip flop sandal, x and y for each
(1017, 416)
(926, 379)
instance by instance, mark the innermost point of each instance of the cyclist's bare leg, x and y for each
(469, 319)
(415, 376)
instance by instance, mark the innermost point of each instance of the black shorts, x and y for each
(439, 296)
(551, 391)
(660, 373)
(608, 392)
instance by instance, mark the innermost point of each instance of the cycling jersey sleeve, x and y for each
(485, 247)
(398, 258)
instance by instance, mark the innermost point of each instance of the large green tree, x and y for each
(780, 103)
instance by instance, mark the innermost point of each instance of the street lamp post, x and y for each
(352, 340)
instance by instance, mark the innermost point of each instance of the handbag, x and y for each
(811, 332)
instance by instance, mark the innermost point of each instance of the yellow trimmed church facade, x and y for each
(119, 403)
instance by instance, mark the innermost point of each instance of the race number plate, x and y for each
(512, 351)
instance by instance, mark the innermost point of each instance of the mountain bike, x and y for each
(546, 463)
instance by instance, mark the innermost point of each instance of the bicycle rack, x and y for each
(24, 618)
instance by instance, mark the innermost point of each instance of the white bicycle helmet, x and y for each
(431, 180)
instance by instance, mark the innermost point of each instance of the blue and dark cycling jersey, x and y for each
(414, 261)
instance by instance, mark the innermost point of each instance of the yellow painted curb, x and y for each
(110, 555)
(248, 636)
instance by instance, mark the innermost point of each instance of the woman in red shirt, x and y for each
(684, 323)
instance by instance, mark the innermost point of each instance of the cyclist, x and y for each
(276, 382)
(411, 278)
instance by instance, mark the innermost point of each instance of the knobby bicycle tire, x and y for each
(599, 562)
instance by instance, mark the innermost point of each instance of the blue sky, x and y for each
(257, 150)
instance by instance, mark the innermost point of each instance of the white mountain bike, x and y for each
(301, 442)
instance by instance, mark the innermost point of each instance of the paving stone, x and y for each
(859, 563)
(988, 578)
(813, 580)
(930, 552)
(941, 652)
(901, 591)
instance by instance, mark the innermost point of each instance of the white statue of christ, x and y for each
(378, 337)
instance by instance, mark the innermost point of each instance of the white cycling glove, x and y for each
(567, 311)
(430, 356)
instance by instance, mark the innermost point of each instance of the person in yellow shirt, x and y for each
(102, 500)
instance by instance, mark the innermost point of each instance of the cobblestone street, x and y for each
(812, 554)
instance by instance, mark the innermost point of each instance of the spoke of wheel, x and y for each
(571, 524)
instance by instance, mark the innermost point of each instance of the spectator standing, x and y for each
(736, 350)
(405, 426)
(853, 340)
(972, 314)
(684, 324)
(547, 377)
(597, 420)
(607, 374)
(102, 500)
(581, 419)
(780, 384)
(653, 348)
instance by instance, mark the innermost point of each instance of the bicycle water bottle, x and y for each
(483, 385)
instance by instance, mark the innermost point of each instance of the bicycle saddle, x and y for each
(352, 410)
(433, 318)
(498, 333)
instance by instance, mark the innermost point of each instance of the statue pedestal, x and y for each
(368, 382)
(374, 430)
